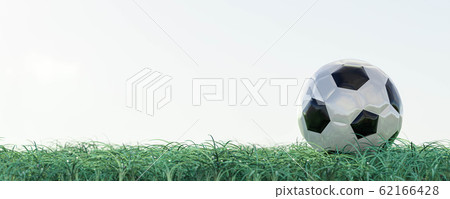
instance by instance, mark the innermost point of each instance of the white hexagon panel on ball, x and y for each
(349, 105)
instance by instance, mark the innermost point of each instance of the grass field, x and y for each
(221, 161)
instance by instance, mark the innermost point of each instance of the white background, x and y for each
(205, 190)
(63, 64)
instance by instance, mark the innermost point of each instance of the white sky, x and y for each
(63, 64)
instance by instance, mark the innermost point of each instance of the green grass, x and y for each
(221, 161)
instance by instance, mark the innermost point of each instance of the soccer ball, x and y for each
(349, 105)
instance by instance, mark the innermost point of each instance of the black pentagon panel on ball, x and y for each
(350, 77)
(365, 124)
(316, 116)
(393, 95)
